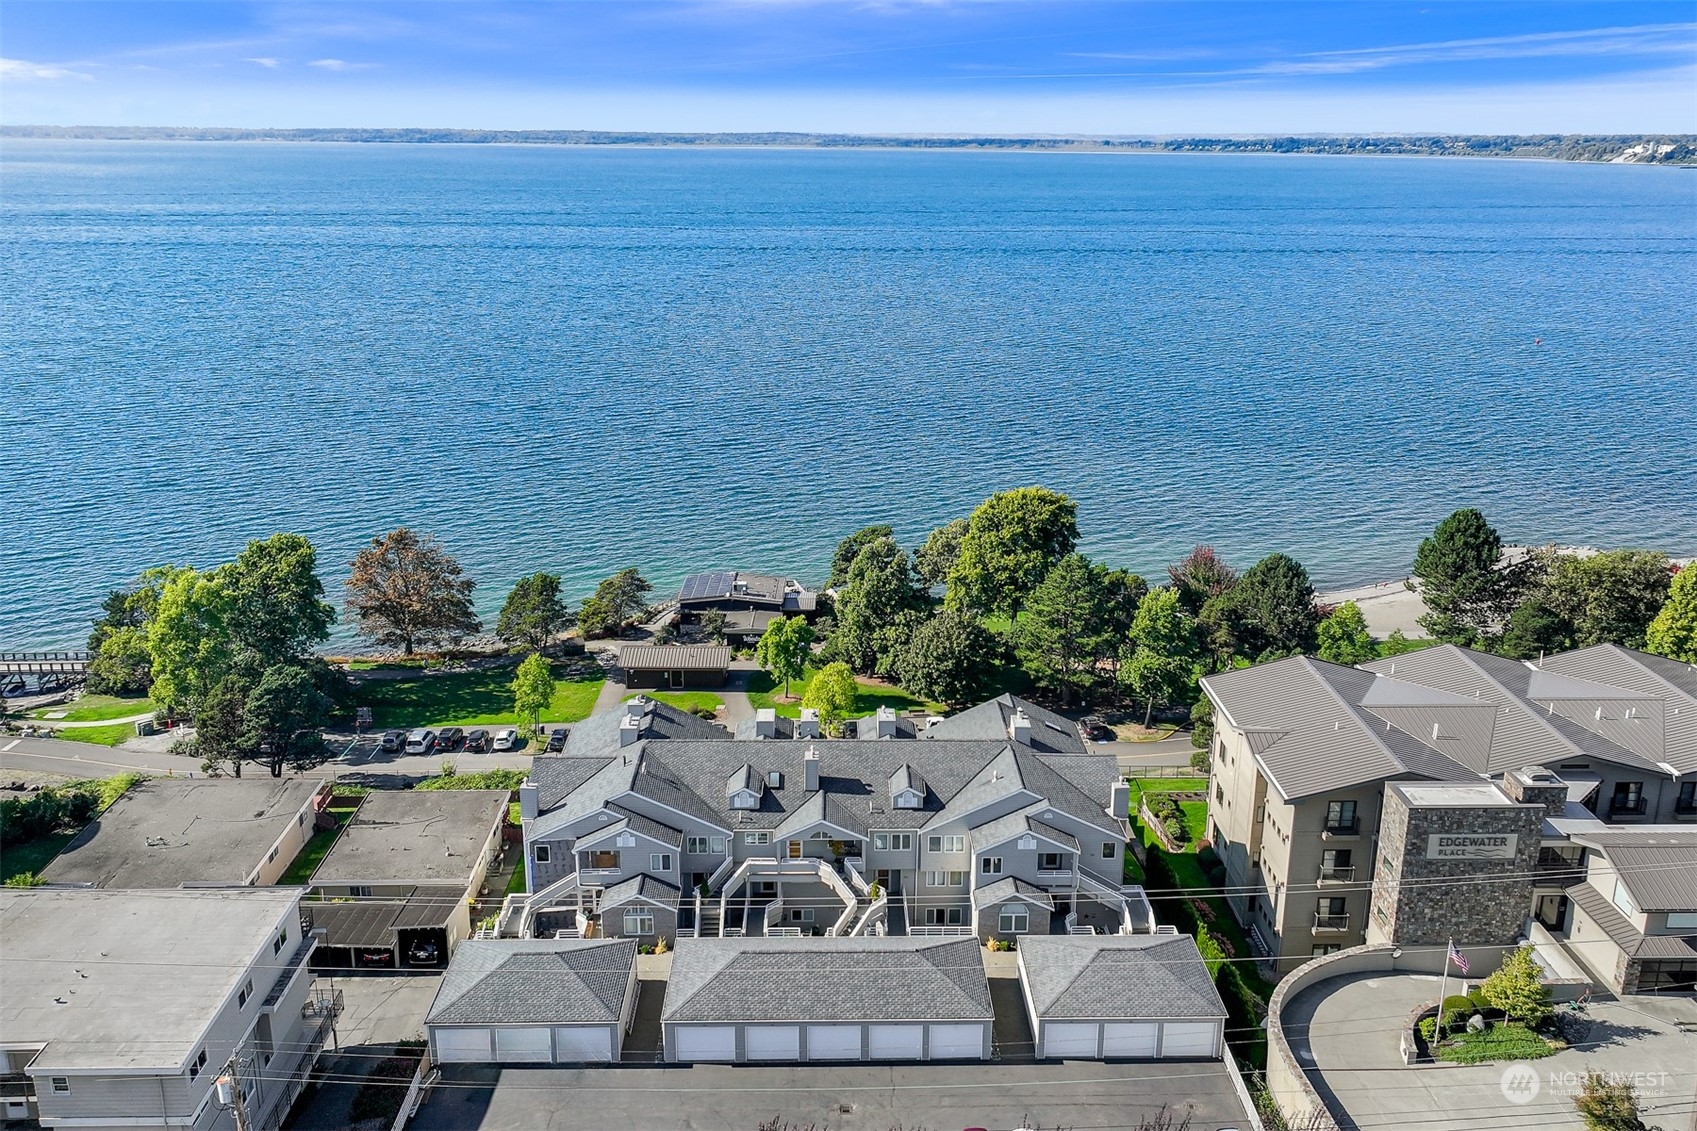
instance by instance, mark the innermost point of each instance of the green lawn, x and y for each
(102, 736)
(96, 708)
(312, 855)
(478, 698)
(32, 855)
(1139, 786)
(1502, 1041)
(1188, 869)
(763, 691)
(515, 882)
(682, 700)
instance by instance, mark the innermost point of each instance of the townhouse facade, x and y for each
(654, 824)
(1305, 750)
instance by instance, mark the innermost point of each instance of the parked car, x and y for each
(477, 741)
(421, 741)
(450, 738)
(393, 741)
(422, 953)
(556, 741)
(506, 739)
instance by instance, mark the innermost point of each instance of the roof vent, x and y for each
(1019, 727)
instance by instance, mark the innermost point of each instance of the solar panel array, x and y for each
(714, 583)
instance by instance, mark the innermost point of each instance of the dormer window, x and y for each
(742, 788)
(907, 788)
(745, 799)
(908, 799)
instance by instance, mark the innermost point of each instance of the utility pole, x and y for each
(229, 1091)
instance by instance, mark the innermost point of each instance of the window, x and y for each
(945, 844)
(933, 844)
(542, 853)
(639, 922)
(1326, 948)
(944, 917)
(282, 939)
(61, 1085)
(1110, 850)
(757, 838)
(360, 891)
(695, 845)
(273, 854)
(801, 914)
(660, 862)
(197, 1064)
(892, 842)
(775, 779)
(1051, 862)
(1681, 920)
(992, 866)
(247, 992)
(604, 859)
(1628, 797)
(716, 844)
(1015, 919)
(1340, 816)
(300, 818)
(1686, 802)
(934, 879)
(1623, 899)
(957, 879)
(745, 799)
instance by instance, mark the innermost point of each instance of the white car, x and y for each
(506, 739)
(421, 741)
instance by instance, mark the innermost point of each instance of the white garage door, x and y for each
(462, 1046)
(1130, 1039)
(1070, 1040)
(523, 1046)
(704, 1042)
(1188, 1038)
(772, 1042)
(583, 1044)
(896, 1042)
(833, 1042)
(957, 1042)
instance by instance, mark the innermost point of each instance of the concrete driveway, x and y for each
(1347, 1030)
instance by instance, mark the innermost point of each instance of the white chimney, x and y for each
(808, 725)
(636, 708)
(1019, 727)
(766, 723)
(886, 722)
(630, 729)
(528, 801)
(810, 770)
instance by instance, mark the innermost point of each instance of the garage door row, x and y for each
(1142, 1040)
(524, 1044)
(827, 1042)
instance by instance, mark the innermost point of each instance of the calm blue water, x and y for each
(582, 359)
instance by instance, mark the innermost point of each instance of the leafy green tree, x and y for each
(941, 550)
(1270, 612)
(1065, 631)
(533, 688)
(849, 549)
(277, 607)
(832, 693)
(1165, 658)
(951, 659)
(784, 649)
(880, 587)
(1673, 632)
(1396, 644)
(120, 662)
(220, 727)
(1012, 541)
(407, 590)
(1343, 636)
(1517, 988)
(534, 613)
(1122, 591)
(1609, 1104)
(1535, 629)
(1201, 576)
(189, 639)
(713, 623)
(283, 718)
(617, 600)
(1202, 723)
(1467, 589)
(1609, 598)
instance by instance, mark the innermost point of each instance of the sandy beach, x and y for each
(1386, 605)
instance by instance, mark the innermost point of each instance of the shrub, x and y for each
(483, 779)
(1428, 1030)
(1517, 988)
(1213, 955)
(25, 880)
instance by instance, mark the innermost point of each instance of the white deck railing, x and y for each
(956, 931)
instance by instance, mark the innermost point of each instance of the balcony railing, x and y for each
(1338, 875)
(1685, 808)
(1351, 827)
(1330, 923)
(1054, 873)
(1625, 807)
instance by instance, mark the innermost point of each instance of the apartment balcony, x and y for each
(1343, 875)
(1054, 873)
(1330, 924)
(1342, 830)
(1620, 807)
(1685, 809)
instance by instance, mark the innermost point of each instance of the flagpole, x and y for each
(1443, 990)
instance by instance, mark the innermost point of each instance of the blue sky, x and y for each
(893, 66)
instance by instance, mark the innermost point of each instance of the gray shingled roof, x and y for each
(557, 776)
(599, 733)
(853, 979)
(1011, 887)
(1050, 733)
(611, 778)
(1117, 977)
(534, 981)
(640, 887)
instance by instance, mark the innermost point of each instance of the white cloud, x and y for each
(21, 70)
(340, 65)
(268, 63)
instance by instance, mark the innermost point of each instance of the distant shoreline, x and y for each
(1634, 149)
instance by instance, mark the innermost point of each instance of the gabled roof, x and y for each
(851, 979)
(640, 888)
(534, 981)
(629, 821)
(599, 733)
(1673, 682)
(1117, 977)
(1011, 887)
(602, 779)
(1310, 732)
(1658, 864)
(675, 657)
(990, 721)
(1021, 822)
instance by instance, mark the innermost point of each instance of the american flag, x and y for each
(1456, 957)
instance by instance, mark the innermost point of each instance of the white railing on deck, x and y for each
(721, 872)
(856, 867)
(874, 916)
(784, 933)
(933, 931)
(774, 913)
